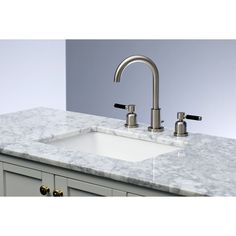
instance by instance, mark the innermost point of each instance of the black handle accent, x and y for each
(192, 117)
(121, 106)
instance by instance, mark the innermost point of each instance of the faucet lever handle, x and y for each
(131, 117)
(120, 106)
(130, 107)
(192, 117)
(181, 125)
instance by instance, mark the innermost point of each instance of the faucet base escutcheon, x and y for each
(156, 121)
(131, 126)
(156, 129)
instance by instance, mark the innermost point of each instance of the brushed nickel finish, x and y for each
(131, 117)
(155, 119)
(181, 125)
(155, 111)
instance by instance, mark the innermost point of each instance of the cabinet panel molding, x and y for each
(21, 185)
(22, 171)
(118, 193)
(1, 180)
(79, 193)
(61, 184)
(133, 195)
(88, 187)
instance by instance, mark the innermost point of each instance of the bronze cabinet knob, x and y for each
(57, 193)
(44, 190)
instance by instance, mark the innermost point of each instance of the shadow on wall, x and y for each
(196, 76)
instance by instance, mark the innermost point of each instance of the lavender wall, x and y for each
(32, 73)
(196, 76)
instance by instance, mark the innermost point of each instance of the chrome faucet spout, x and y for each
(155, 111)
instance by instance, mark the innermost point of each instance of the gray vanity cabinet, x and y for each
(19, 181)
(22, 181)
(19, 177)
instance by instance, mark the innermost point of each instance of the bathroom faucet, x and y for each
(155, 111)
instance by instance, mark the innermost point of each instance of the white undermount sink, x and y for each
(113, 146)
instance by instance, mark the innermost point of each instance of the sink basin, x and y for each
(113, 146)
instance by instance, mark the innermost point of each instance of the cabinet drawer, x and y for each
(71, 187)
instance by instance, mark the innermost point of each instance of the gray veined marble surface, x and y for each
(204, 165)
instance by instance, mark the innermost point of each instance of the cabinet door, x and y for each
(21, 181)
(71, 187)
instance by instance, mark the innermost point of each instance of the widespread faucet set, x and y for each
(131, 118)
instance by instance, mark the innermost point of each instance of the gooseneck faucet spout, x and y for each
(155, 111)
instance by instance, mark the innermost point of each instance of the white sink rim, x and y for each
(116, 146)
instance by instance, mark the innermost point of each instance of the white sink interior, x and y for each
(117, 147)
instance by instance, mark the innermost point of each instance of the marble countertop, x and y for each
(203, 164)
